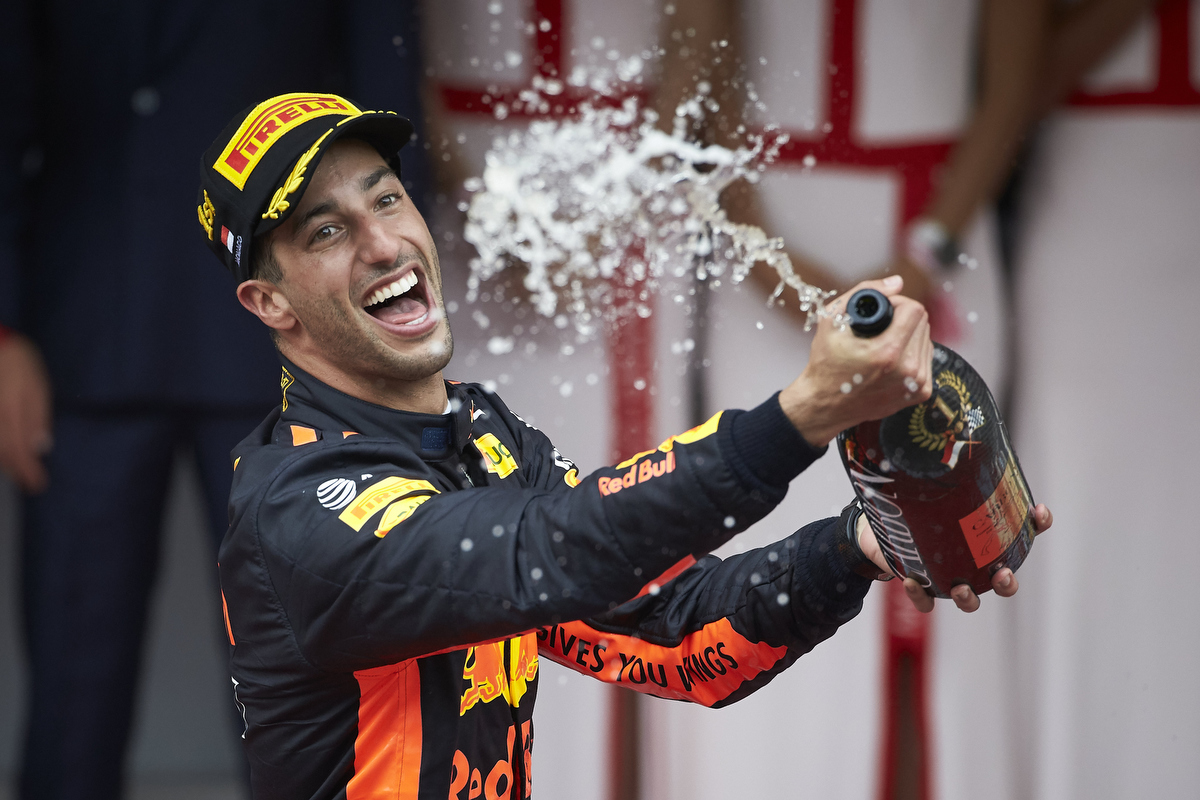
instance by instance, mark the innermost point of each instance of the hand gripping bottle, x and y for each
(939, 481)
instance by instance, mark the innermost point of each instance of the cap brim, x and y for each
(387, 132)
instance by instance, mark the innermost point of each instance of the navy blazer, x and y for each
(111, 105)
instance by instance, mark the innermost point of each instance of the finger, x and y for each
(907, 316)
(39, 414)
(1042, 518)
(33, 478)
(24, 471)
(1004, 583)
(890, 286)
(965, 598)
(25, 467)
(34, 439)
(927, 366)
(916, 363)
(11, 462)
(921, 601)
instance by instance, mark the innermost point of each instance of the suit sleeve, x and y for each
(19, 74)
(545, 466)
(407, 570)
(712, 632)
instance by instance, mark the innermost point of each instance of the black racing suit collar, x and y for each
(308, 401)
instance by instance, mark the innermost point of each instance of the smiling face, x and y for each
(359, 305)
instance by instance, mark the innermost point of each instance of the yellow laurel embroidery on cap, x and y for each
(278, 203)
(207, 214)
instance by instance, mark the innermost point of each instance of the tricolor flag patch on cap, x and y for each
(227, 238)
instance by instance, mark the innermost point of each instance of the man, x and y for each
(403, 547)
(119, 356)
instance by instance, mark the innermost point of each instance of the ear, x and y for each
(267, 302)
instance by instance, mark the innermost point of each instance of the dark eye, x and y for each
(323, 233)
(389, 200)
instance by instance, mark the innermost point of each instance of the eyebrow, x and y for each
(368, 183)
(315, 211)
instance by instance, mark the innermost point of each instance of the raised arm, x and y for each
(436, 569)
(1081, 35)
(712, 631)
(702, 41)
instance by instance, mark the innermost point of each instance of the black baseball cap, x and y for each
(254, 174)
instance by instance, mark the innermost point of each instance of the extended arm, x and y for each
(721, 629)
(1080, 37)
(1013, 43)
(430, 569)
(437, 569)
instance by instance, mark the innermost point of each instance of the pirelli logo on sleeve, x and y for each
(267, 123)
(379, 494)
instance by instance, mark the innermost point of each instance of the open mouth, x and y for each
(402, 305)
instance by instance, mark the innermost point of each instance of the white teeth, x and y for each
(397, 288)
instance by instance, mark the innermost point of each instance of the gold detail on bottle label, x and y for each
(992, 527)
(956, 417)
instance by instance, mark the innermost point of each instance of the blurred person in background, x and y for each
(1108, 269)
(1112, 184)
(904, 120)
(881, 97)
(119, 344)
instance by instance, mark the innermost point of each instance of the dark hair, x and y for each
(263, 265)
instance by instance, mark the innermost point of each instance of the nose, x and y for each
(379, 243)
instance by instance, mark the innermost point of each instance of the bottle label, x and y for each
(992, 527)
(941, 485)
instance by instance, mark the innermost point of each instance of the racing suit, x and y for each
(390, 579)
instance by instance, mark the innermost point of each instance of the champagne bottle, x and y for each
(939, 481)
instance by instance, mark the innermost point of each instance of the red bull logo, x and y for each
(489, 677)
(640, 472)
(498, 785)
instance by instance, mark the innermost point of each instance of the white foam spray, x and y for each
(596, 209)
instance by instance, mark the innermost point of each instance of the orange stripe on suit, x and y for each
(706, 667)
(387, 752)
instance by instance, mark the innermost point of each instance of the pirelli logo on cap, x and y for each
(268, 123)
